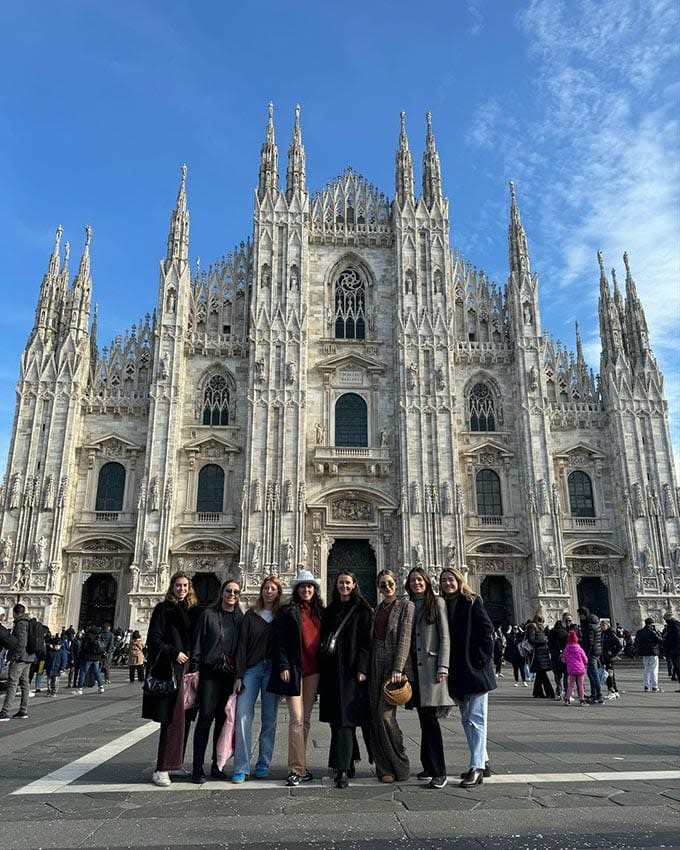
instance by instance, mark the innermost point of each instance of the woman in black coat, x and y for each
(169, 644)
(471, 675)
(343, 683)
(540, 663)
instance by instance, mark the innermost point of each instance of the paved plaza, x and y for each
(77, 774)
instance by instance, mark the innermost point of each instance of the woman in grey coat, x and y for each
(428, 669)
(390, 646)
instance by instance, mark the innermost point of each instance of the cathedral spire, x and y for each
(47, 312)
(295, 174)
(178, 237)
(53, 268)
(432, 177)
(405, 188)
(269, 159)
(636, 323)
(611, 331)
(517, 240)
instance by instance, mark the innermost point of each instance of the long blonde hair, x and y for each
(463, 587)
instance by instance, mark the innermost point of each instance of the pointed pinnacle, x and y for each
(183, 180)
(57, 238)
(297, 115)
(513, 197)
(402, 120)
(625, 263)
(88, 237)
(600, 260)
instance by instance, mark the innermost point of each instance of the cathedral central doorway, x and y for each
(358, 557)
(496, 592)
(206, 588)
(594, 595)
(98, 600)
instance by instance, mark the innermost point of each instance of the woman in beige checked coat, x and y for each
(390, 645)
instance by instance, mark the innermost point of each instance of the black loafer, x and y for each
(341, 779)
(486, 771)
(198, 778)
(216, 773)
(472, 777)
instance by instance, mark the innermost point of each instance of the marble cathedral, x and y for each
(342, 389)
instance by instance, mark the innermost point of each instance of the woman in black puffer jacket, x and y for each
(540, 663)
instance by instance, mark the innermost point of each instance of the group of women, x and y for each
(352, 657)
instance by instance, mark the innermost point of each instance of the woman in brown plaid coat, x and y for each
(390, 644)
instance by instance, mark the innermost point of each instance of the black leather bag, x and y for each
(155, 687)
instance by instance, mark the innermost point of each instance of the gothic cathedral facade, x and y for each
(342, 390)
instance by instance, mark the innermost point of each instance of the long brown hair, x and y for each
(316, 603)
(259, 603)
(430, 607)
(463, 587)
(190, 598)
(356, 594)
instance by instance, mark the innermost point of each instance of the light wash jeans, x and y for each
(650, 671)
(95, 671)
(473, 713)
(255, 681)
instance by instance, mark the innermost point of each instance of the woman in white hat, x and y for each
(295, 667)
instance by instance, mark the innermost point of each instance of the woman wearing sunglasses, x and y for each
(390, 644)
(213, 655)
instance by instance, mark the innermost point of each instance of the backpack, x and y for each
(35, 642)
(526, 649)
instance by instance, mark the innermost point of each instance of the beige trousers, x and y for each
(299, 714)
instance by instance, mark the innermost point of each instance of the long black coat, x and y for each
(472, 640)
(286, 652)
(171, 631)
(539, 640)
(343, 700)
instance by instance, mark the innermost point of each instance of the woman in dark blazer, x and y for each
(471, 674)
(169, 643)
(296, 637)
(343, 681)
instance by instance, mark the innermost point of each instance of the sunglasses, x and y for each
(385, 584)
(232, 592)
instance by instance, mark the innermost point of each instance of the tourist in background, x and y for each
(427, 669)
(576, 662)
(390, 646)
(253, 669)
(135, 657)
(169, 642)
(591, 641)
(611, 647)
(647, 647)
(471, 675)
(512, 654)
(540, 662)
(295, 667)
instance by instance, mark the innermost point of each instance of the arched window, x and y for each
(482, 409)
(210, 489)
(110, 487)
(581, 494)
(216, 402)
(351, 421)
(488, 493)
(350, 305)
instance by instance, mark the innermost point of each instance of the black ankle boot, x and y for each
(341, 779)
(486, 771)
(474, 776)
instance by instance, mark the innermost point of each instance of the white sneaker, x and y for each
(525, 685)
(101, 689)
(517, 684)
(78, 691)
(161, 778)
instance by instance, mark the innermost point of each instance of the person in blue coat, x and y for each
(55, 664)
(471, 675)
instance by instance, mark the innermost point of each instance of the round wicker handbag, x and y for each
(399, 693)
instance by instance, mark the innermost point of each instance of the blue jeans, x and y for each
(95, 670)
(255, 681)
(594, 677)
(473, 713)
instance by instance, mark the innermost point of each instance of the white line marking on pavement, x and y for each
(58, 780)
(63, 786)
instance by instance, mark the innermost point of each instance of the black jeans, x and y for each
(213, 692)
(139, 668)
(431, 744)
(542, 686)
(341, 754)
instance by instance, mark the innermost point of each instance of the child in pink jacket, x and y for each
(577, 661)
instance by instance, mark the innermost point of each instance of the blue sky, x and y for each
(576, 101)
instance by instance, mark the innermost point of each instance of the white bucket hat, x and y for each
(305, 577)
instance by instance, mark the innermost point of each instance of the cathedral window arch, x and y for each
(350, 304)
(110, 488)
(483, 409)
(216, 403)
(488, 488)
(351, 420)
(210, 494)
(581, 502)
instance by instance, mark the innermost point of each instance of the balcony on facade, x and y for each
(479, 522)
(201, 519)
(348, 460)
(120, 520)
(585, 524)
